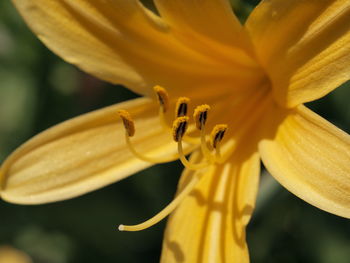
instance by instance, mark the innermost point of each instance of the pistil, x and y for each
(166, 211)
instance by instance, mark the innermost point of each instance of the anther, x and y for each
(130, 131)
(200, 115)
(163, 97)
(182, 106)
(217, 134)
(128, 122)
(181, 109)
(179, 128)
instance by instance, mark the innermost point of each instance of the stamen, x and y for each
(217, 135)
(181, 110)
(200, 115)
(163, 100)
(179, 129)
(163, 97)
(182, 107)
(166, 211)
(130, 131)
(128, 122)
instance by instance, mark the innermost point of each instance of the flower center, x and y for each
(210, 151)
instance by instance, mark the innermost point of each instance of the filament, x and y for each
(188, 164)
(162, 119)
(166, 211)
(218, 158)
(205, 151)
(146, 158)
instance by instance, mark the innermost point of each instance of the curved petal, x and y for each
(83, 154)
(209, 225)
(207, 25)
(211, 18)
(13, 255)
(304, 46)
(311, 158)
(118, 41)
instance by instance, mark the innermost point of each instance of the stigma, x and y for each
(210, 149)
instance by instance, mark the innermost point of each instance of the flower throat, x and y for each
(211, 152)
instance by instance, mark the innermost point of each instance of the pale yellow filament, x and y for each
(146, 158)
(205, 151)
(166, 211)
(218, 158)
(186, 163)
(162, 119)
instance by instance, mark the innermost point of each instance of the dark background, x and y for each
(38, 90)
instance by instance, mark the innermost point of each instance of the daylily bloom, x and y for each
(255, 78)
(12, 255)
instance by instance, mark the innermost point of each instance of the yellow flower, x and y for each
(254, 77)
(12, 255)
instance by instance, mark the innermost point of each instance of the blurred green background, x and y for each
(38, 90)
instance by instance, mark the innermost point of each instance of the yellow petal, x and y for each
(311, 158)
(211, 18)
(118, 41)
(209, 225)
(83, 154)
(10, 254)
(207, 25)
(304, 46)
